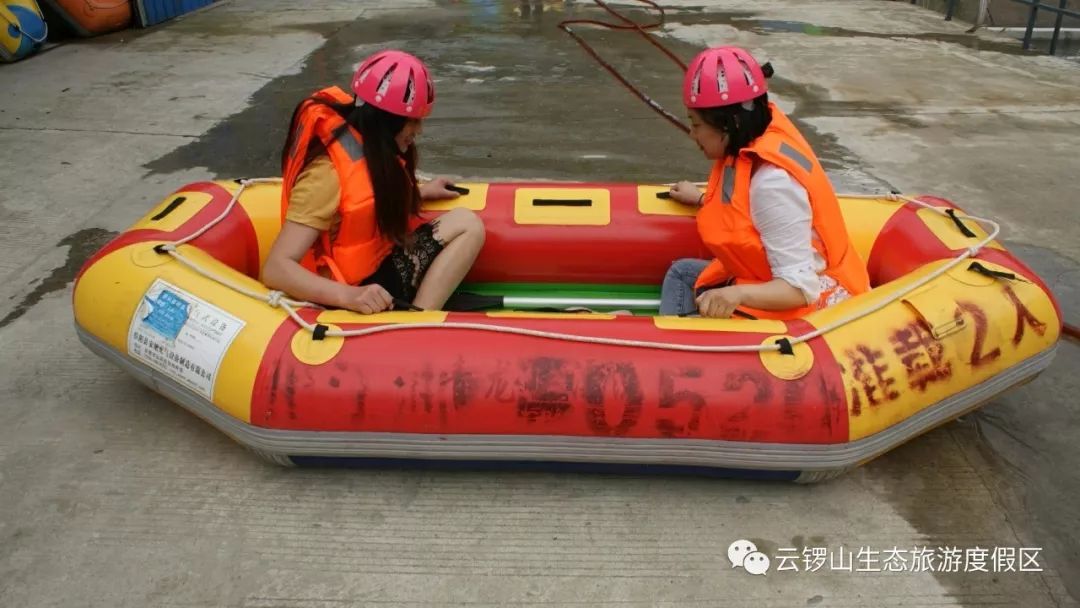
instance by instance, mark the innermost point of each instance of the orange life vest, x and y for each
(358, 248)
(728, 231)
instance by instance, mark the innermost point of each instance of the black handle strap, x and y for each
(176, 202)
(558, 202)
(319, 332)
(663, 195)
(994, 274)
(956, 220)
(785, 347)
(400, 304)
(458, 189)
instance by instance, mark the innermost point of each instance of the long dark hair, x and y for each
(742, 126)
(396, 194)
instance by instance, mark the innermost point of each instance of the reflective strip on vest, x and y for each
(795, 155)
(349, 143)
(728, 187)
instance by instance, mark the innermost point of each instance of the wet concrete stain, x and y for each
(216, 30)
(247, 144)
(1026, 437)
(747, 21)
(81, 245)
(516, 97)
(814, 101)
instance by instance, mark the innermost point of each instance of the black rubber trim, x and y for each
(400, 304)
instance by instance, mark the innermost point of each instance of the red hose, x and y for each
(629, 24)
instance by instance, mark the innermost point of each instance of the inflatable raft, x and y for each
(953, 320)
(22, 29)
(91, 17)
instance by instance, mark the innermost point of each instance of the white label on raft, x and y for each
(182, 336)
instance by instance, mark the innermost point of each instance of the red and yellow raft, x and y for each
(935, 338)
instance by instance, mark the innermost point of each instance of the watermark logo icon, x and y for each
(738, 550)
(756, 563)
(744, 554)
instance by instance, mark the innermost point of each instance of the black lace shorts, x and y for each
(400, 273)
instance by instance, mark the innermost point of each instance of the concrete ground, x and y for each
(112, 496)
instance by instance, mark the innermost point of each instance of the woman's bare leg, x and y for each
(462, 234)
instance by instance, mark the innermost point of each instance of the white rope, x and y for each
(968, 253)
(244, 183)
(520, 331)
(278, 299)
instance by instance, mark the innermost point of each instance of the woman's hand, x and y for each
(367, 299)
(686, 193)
(720, 303)
(437, 189)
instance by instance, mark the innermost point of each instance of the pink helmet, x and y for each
(397, 82)
(722, 76)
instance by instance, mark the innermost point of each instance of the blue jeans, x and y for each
(677, 296)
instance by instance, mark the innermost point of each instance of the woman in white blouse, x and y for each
(769, 215)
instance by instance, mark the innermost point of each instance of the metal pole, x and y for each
(984, 10)
(1038, 30)
(1057, 28)
(1031, 24)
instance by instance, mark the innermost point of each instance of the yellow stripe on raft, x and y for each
(475, 200)
(649, 204)
(393, 317)
(864, 218)
(596, 213)
(742, 326)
